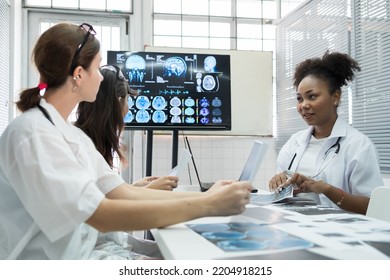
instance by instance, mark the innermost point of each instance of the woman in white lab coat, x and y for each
(330, 158)
(57, 191)
(103, 121)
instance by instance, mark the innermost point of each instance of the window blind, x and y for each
(371, 101)
(310, 30)
(4, 64)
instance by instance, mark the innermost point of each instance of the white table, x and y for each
(333, 236)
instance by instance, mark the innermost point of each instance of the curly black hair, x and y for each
(337, 69)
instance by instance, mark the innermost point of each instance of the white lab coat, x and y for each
(52, 179)
(355, 169)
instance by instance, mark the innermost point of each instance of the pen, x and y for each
(282, 186)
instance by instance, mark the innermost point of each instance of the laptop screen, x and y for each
(252, 164)
(253, 161)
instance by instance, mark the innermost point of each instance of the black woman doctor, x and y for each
(330, 158)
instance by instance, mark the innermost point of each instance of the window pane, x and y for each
(221, 8)
(269, 45)
(220, 43)
(269, 31)
(190, 42)
(195, 28)
(195, 7)
(98, 29)
(249, 8)
(249, 44)
(66, 4)
(93, 4)
(269, 9)
(220, 29)
(44, 26)
(110, 41)
(167, 6)
(167, 27)
(119, 5)
(166, 41)
(39, 3)
(249, 30)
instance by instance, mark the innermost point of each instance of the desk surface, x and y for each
(312, 233)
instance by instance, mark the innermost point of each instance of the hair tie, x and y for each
(42, 86)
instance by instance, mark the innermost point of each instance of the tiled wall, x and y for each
(217, 157)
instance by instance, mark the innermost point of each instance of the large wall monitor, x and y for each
(185, 91)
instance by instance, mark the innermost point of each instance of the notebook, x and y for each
(249, 171)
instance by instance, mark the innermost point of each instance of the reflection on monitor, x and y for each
(176, 90)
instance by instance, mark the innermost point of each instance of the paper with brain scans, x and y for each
(184, 159)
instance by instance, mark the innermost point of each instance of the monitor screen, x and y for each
(185, 91)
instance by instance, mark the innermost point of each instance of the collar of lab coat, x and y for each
(339, 130)
(64, 127)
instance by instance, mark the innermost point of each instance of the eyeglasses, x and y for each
(89, 31)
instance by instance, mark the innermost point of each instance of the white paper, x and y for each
(185, 158)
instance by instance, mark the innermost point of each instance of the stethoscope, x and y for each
(337, 150)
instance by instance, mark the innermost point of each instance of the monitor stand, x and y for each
(149, 150)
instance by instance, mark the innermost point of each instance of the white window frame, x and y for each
(34, 18)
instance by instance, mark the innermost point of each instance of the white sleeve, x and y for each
(108, 179)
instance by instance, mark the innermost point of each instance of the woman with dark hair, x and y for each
(102, 121)
(57, 191)
(330, 158)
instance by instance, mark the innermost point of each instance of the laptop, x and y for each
(249, 171)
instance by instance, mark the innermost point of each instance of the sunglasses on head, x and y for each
(116, 70)
(119, 76)
(89, 31)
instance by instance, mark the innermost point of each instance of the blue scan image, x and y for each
(175, 101)
(241, 245)
(175, 67)
(135, 68)
(208, 227)
(216, 102)
(189, 111)
(223, 235)
(190, 120)
(244, 226)
(204, 120)
(142, 102)
(204, 102)
(209, 82)
(142, 116)
(175, 119)
(159, 117)
(189, 102)
(209, 63)
(204, 112)
(175, 111)
(217, 112)
(129, 117)
(159, 103)
(217, 120)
